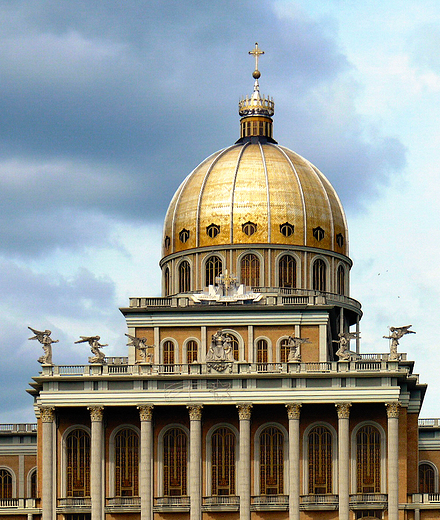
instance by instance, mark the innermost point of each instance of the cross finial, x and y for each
(256, 52)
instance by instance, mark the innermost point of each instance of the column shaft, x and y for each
(344, 459)
(393, 460)
(145, 482)
(195, 462)
(244, 471)
(47, 416)
(293, 412)
(96, 460)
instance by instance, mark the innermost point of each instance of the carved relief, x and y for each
(244, 411)
(293, 410)
(343, 410)
(145, 412)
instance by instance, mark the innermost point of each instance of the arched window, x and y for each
(271, 462)
(213, 268)
(78, 464)
(340, 278)
(5, 483)
(167, 281)
(287, 271)
(184, 277)
(368, 460)
(191, 351)
(175, 459)
(320, 461)
(284, 350)
(262, 351)
(126, 463)
(234, 346)
(168, 356)
(223, 462)
(319, 275)
(33, 484)
(426, 478)
(250, 270)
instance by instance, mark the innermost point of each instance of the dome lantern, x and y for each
(256, 111)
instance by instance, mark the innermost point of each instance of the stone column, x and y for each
(344, 459)
(47, 492)
(244, 468)
(393, 460)
(293, 413)
(145, 481)
(96, 460)
(195, 461)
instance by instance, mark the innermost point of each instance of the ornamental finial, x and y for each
(256, 52)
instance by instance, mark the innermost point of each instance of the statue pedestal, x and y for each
(343, 365)
(96, 369)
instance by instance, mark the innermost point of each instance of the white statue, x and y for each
(95, 346)
(44, 338)
(343, 351)
(295, 348)
(221, 348)
(140, 344)
(395, 334)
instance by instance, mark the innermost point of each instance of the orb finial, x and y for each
(256, 52)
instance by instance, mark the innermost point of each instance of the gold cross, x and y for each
(256, 52)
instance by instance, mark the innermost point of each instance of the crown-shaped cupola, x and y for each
(256, 111)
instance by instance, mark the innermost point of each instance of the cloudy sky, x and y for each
(106, 106)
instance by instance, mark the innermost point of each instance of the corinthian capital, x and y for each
(393, 410)
(343, 410)
(195, 412)
(145, 412)
(47, 413)
(293, 410)
(244, 411)
(96, 412)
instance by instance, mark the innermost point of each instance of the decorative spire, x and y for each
(256, 111)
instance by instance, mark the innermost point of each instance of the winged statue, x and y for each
(295, 348)
(140, 344)
(343, 351)
(397, 333)
(95, 346)
(44, 338)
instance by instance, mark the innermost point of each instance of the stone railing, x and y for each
(75, 503)
(18, 428)
(237, 367)
(174, 503)
(123, 503)
(221, 503)
(318, 499)
(429, 423)
(270, 502)
(18, 503)
(368, 498)
(425, 498)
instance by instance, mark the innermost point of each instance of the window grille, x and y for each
(184, 277)
(368, 460)
(320, 461)
(213, 269)
(175, 461)
(287, 271)
(78, 464)
(223, 462)
(426, 478)
(126, 463)
(271, 462)
(5, 484)
(319, 275)
(250, 270)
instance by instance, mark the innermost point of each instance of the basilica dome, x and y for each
(258, 210)
(255, 193)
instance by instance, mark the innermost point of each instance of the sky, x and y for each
(105, 107)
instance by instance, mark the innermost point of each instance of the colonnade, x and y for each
(195, 411)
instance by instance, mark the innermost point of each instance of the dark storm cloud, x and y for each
(114, 103)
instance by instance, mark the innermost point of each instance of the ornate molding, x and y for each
(47, 413)
(145, 412)
(244, 411)
(96, 412)
(343, 410)
(293, 410)
(393, 410)
(195, 412)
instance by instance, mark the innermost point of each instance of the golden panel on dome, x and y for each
(250, 197)
(186, 208)
(215, 204)
(316, 204)
(285, 197)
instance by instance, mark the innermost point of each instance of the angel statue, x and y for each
(95, 347)
(343, 351)
(395, 334)
(295, 348)
(45, 339)
(140, 344)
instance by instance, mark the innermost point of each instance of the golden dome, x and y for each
(255, 193)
